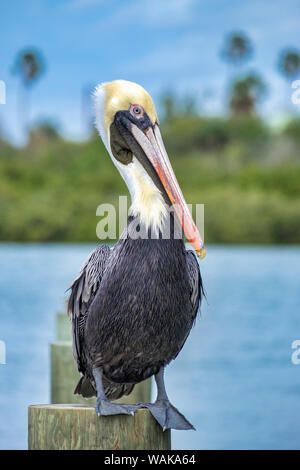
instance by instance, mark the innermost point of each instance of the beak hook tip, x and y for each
(201, 253)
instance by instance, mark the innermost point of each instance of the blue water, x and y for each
(234, 379)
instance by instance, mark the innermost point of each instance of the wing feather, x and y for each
(83, 291)
(196, 290)
(196, 285)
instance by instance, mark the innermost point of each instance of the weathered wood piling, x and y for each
(64, 373)
(72, 426)
(77, 427)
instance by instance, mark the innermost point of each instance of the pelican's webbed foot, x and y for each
(104, 407)
(163, 411)
(167, 415)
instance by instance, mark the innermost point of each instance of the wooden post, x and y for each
(63, 327)
(64, 373)
(77, 427)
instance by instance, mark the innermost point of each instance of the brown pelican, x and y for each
(132, 306)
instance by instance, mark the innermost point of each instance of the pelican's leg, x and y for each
(103, 406)
(163, 411)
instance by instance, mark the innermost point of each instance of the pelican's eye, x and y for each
(136, 110)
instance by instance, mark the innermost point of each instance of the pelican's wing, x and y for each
(83, 291)
(196, 291)
(196, 286)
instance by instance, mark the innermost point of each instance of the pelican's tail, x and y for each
(112, 390)
(85, 388)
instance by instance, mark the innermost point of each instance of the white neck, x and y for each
(146, 199)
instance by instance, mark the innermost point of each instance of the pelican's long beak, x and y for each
(151, 142)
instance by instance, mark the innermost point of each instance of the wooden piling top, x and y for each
(77, 427)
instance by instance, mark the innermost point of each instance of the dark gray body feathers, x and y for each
(132, 308)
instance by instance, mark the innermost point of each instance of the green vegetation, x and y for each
(247, 177)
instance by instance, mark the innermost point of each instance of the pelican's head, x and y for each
(128, 124)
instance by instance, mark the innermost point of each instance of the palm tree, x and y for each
(246, 93)
(237, 48)
(289, 66)
(169, 105)
(29, 65)
(289, 63)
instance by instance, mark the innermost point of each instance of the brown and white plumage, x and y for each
(132, 306)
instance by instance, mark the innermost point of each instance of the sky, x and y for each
(161, 44)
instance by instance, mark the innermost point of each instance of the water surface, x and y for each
(234, 379)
